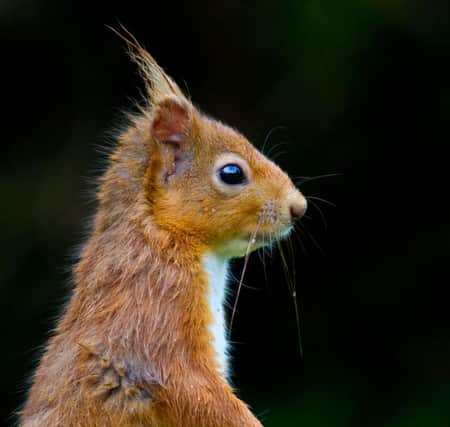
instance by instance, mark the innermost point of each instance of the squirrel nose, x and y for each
(298, 209)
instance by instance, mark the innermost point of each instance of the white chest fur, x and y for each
(217, 270)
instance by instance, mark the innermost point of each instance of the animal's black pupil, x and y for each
(232, 174)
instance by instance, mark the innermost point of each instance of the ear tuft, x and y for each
(157, 82)
(171, 123)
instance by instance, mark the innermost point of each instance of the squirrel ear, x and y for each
(172, 119)
(171, 128)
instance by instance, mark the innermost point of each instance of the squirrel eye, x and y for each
(232, 174)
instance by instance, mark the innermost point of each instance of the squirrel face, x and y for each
(215, 185)
(204, 181)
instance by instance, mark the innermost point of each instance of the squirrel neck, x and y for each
(149, 301)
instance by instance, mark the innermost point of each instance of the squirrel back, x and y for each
(143, 340)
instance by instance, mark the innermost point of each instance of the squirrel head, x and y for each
(198, 179)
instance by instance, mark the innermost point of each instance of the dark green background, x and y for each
(361, 88)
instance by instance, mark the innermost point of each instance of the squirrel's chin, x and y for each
(239, 247)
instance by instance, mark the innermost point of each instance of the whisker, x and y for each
(244, 268)
(312, 239)
(325, 224)
(263, 251)
(269, 134)
(262, 258)
(278, 155)
(244, 285)
(321, 200)
(271, 246)
(299, 241)
(285, 266)
(305, 179)
(292, 290)
(291, 255)
(275, 147)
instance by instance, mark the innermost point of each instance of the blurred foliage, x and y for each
(359, 88)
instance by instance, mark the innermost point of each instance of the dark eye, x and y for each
(232, 174)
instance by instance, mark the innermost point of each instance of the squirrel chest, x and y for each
(216, 269)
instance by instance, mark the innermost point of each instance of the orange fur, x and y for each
(133, 347)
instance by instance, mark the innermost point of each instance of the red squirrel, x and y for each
(143, 339)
